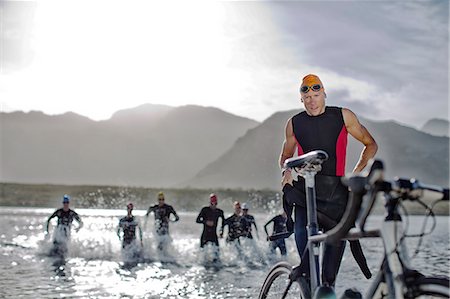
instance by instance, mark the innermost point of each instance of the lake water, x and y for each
(94, 267)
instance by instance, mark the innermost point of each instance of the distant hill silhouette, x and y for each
(437, 127)
(202, 147)
(252, 161)
(150, 145)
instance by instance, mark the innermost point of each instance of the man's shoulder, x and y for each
(334, 109)
(127, 219)
(205, 210)
(57, 213)
(154, 208)
(302, 113)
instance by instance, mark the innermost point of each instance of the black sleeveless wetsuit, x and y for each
(323, 132)
(326, 132)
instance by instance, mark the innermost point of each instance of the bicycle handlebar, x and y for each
(359, 185)
(373, 183)
(407, 188)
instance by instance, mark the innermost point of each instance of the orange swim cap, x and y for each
(310, 80)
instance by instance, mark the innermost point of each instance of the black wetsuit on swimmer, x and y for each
(279, 226)
(249, 221)
(236, 225)
(162, 216)
(209, 234)
(65, 219)
(326, 132)
(129, 225)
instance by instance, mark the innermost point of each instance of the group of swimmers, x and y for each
(240, 224)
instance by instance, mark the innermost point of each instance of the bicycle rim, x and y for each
(277, 284)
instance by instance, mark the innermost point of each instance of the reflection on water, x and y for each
(94, 266)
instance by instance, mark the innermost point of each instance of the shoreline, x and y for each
(187, 199)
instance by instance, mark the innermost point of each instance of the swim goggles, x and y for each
(306, 88)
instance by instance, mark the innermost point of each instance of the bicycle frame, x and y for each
(395, 260)
(395, 257)
(395, 278)
(309, 173)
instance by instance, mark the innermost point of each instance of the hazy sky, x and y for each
(383, 60)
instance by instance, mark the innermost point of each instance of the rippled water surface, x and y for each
(94, 267)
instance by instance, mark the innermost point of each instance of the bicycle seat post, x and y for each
(308, 173)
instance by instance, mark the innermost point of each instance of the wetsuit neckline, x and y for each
(317, 116)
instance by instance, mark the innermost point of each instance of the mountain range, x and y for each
(188, 146)
(150, 145)
(437, 127)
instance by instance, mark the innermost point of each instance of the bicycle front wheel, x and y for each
(429, 287)
(279, 285)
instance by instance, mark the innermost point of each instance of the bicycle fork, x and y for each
(396, 254)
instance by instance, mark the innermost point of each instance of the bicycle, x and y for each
(395, 278)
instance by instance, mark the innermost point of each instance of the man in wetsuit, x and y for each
(209, 217)
(279, 226)
(249, 221)
(128, 225)
(325, 128)
(235, 224)
(162, 213)
(65, 218)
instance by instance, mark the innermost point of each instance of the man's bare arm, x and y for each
(287, 151)
(289, 144)
(360, 133)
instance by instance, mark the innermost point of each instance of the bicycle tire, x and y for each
(429, 287)
(422, 287)
(278, 283)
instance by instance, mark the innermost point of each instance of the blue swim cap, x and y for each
(66, 198)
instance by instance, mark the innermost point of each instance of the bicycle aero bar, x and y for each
(371, 183)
